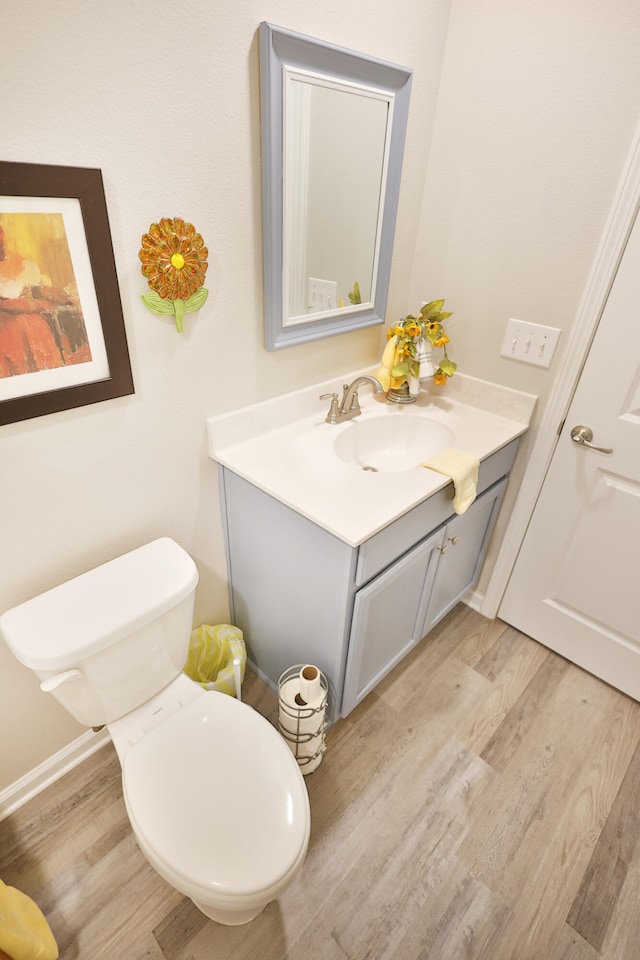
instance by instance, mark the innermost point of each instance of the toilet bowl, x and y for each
(215, 798)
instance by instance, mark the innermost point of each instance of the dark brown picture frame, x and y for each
(86, 185)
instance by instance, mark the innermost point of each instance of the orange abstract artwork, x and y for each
(41, 321)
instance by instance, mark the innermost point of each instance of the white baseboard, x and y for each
(50, 770)
(474, 599)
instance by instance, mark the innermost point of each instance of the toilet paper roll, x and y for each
(311, 765)
(308, 753)
(301, 723)
(310, 689)
(301, 727)
(299, 719)
(310, 748)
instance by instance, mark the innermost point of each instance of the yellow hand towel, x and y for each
(24, 932)
(463, 469)
(391, 357)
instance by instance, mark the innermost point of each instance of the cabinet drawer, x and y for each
(386, 546)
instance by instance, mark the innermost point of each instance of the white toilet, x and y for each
(215, 797)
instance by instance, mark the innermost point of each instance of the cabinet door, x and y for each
(466, 539)
(387, 619)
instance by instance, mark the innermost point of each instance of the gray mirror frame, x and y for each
(280, 48)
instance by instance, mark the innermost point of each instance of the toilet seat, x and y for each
(217, 801)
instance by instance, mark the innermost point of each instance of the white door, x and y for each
(575, 586)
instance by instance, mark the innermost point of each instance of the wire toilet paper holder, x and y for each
(303, 724)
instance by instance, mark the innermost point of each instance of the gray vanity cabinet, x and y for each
(398, 607)
(302, 595)
(290, 585)
(388, 616)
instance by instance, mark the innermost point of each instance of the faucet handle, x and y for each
(334, 410)
(354, 407)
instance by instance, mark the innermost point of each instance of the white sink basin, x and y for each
(390, 444)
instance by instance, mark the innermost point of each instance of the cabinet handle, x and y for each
(452, 540)
(443, 549)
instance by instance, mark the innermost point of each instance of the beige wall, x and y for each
(164, 98)
(538, 106)
(539, 102)
(501, 216)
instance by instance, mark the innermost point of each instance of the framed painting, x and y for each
(62, 336)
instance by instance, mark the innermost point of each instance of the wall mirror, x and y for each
(333, 130)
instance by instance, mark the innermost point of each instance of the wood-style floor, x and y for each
(482, 802)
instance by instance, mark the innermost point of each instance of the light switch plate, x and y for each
(530, 342)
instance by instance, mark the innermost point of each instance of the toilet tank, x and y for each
(107, 641)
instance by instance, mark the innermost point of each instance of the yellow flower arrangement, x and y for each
(174, 261)
(407, 333)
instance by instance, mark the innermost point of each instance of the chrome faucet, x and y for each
(349, 406)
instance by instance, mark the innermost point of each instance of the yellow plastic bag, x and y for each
(24, 932)
(212, 651)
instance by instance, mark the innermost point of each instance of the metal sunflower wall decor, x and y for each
(174, 261)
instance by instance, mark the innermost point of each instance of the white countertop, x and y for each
(285, 447)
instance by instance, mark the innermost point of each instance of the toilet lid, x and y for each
(216, 795)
